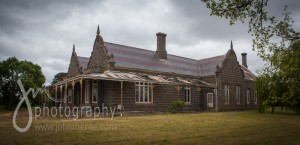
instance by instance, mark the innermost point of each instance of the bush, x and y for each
(177, 105)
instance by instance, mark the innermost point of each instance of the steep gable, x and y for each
(99, 56)
(230, 66)
(73, 69)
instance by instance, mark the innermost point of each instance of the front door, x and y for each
(210, 100)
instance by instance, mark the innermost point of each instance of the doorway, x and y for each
(210, 100)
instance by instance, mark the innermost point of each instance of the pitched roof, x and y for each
(83, 61)
(208, 65)
(132, 57)
(248, 74)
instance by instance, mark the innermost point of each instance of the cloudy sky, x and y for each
(44, 31)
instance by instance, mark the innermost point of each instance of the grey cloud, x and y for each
(44, 31)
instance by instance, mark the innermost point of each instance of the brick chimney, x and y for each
(161, 46)
(244, 59)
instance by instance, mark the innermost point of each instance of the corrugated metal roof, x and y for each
(138, 77)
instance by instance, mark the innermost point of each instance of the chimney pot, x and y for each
(161, 45)
(244, 60)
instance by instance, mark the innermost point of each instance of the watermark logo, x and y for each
(73, 112)
(25, 98)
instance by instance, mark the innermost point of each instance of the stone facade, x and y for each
(99, 56)
(231, 74)
(141, 80)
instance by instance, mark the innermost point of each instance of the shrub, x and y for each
(177, 105)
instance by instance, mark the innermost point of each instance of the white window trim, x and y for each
(248, 94)
(95, 83)
(70, 96)
(87, 92)
(187, 94)
(255, 97)
(238, 94)
(149, 94)
(212, 99)
(226, 91)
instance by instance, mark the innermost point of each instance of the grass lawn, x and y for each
(245, 127)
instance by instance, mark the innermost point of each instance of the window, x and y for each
(95, 91)
(142, 92)
(70, 95)
(226, 93)
(187, 94)
(248, 96)
(255, 97)
(210, 100)
(87, 92)
(238, 94)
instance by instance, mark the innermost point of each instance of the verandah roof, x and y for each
(137, 77)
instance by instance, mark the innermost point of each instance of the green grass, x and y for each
(245, 127)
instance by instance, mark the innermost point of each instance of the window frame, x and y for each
(226, 94)
(95, 83)
(255, 97)
(248, 95)
(238, 94)
(212, 96)
(70, 94)
(143, 92)
(187, 94)
(87, 92)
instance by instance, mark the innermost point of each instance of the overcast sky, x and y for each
(44, 31)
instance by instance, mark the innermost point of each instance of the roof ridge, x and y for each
(133, 47)
(150, 50)
(129, 46)
(212, 57)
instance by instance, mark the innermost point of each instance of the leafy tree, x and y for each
(276, 42)
(59, 77)
(288, 64)
(280, 85)
(10, 71)
(267, 30)
(262, 89)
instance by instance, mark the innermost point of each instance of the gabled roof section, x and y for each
(73, 69)
(208, 65)
(136, 58)
(83, 61)
(248, 74)
(131, 57)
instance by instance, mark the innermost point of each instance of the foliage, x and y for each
(276, 42)
(177, 105)
(279, 84)
(267, 30)
(262, 89)
(10, 71)
(59, 77)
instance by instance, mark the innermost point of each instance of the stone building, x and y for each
(142, 80)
